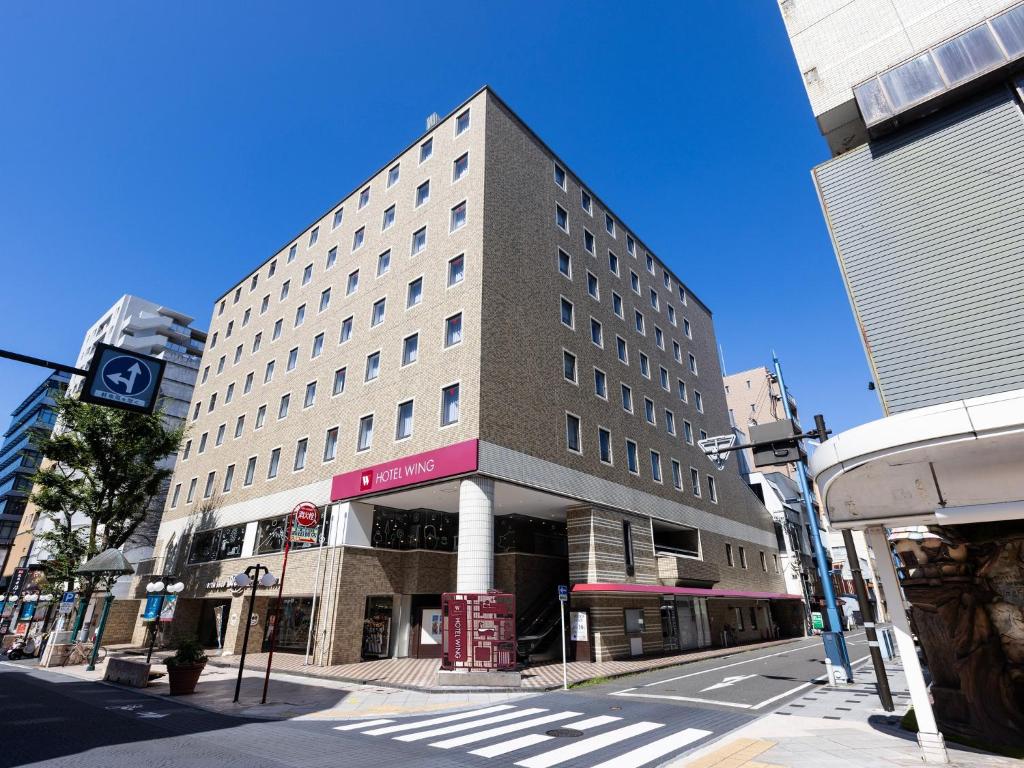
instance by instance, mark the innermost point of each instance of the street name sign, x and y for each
(120, 378)
(817, 622)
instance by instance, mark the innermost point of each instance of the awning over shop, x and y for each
(655, 589)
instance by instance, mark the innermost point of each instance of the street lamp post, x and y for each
(160, 589)
(252, 578)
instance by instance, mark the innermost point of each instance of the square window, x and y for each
(414, 293)
(384, 263)
(604, 445)
(561, 218)
(627, 399)
(596, 333)
(462, 123)
(609, 225)
(365, 439)
(422, 193)
(453, 330)
(586, 203)
(313, 237)
(588, 242)
(622, 350)
(458, 218)
(410, 349)
(331, 444)
(300, 455)
(377, 313)
(389, 218)
(358, 238)
(325, 299)
(339, 382)
(572, 433)
(332, 257)
(560, 176)
(460, 167)
(364, 197)
(339, 216)
(403, 422)
(282, 408)
(449, 405)
(600, 384)
(456, 270)
(393, 174)
(353, 283)
(372, 366)
(346, 330)
(419, 241)
(426, 149)
(569, 366)
(655, 466)
(567, 313)
(564, 263)
(632, 460)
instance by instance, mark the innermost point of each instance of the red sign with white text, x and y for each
(444, 462)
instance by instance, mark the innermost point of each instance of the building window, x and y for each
(261, 417)
(220, 435)
(627, 398)
(414, 293)
(377, 312)
(663, 378)
(346, 330)
(593, 287)
(339, 216)
(588, 242)
(410, 349)
(393, 174)
(256, 341)
(449, 405)
(572, 433)
(617, 305)
(364, 198)
(389, 219)
(649, 410)
(384, 263)
(569, 366)
(596, 333)
(461, 167)
(586, 203)
(688, 432)
(670, 422)
(291, 252)
(462, 123)
(638, 320)
(627, 547)
(650, 263)
(632, 461)
(686, 328)
(307, 274)
(352, 285)
(220, 365)
(419, 241)
(693, 364)
(456, 270)
(634, 282)
(372, 366)
(764, 562)
(567, 313)
(239, 425)
(238, 355)
(681, 389)
(422, 193)
(331, 444)
(561, 218)
(728, 555)
(313, 237)
(426, 149)
(284, 290)
(229, 478)
(695, 484)
(458, 217)
(300, 315)
(713, 495)
(187, 451)
(677, 475)
(622, 350)
(659, 338)
(310, 395)
(698, 401)
(560, 176)
(358, 238)
(604, 445)
(630, 246)
(403, 426)
(564, 264)
(609, 225)
(300, 455)
(202, 442)
(775, 563)
(246, 316)
(339, 382)
(318, 346)
(365, 439)
(191, 491)
(282, 409)
(275, 461)
(453, 330)
(677, 353)
(293, 357)
(250, 471)
(671, 313)
(277, 329)
(600, 384)
(656, 466)
(613, 263)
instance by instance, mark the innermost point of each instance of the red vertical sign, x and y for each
(458, 632)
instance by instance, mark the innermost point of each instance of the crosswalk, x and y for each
(523, 735)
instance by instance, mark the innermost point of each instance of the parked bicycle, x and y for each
(80, 653)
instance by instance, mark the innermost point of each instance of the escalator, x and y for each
(537, 629)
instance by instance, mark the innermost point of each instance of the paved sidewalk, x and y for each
(834, 728)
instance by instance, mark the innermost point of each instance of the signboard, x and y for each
(17, 582)
(152, 608)
(457, 646)
(563, 592)
(167, 609)
(578, 629)
(817, 622)
(479, 631)
(67, 602)
(444, 462)
(305, 523)
(28, 611)
(120, 378)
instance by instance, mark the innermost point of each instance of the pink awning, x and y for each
(655, 589)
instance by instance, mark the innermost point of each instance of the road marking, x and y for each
(655, 749)
(504, 747)
(501, 730)
(579, 748)
(438, 720)
(628, 692)
(790, 649)
(818, 679)
(727, 681)
(471, 724)
(364, 724)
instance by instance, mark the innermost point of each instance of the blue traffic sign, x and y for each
(67, 597)
(563, 592)
(124, 379)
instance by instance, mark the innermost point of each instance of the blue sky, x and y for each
(166, 149)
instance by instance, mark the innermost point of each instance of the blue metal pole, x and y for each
(841, 656)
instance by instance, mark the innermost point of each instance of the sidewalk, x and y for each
(834, 728)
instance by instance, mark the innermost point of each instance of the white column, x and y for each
(476, 535)
(928, 737)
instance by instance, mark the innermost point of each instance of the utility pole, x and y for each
(881, 680)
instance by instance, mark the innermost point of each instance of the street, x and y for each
(55, 720)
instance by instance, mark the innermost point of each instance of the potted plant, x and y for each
(185, 667)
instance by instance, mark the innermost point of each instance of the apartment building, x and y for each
(921, 107)
(34, 418)
(486, 380)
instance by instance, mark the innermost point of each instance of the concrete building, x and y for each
(20, 457)
(484, 379)
(142, 326)
(921, 106)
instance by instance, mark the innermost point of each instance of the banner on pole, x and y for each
(167, 609)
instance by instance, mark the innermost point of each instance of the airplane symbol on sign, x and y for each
(727, 681)
(128, 382)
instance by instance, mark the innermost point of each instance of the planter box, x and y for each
(183, 678)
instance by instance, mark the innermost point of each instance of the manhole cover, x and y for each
(567, 733)
(614, 709)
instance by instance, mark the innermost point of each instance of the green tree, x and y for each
(103, 464)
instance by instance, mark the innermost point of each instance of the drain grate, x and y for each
(565, 733)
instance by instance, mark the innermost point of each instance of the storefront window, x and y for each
(377, 628)
(270, 533)
(529, 535)
(414, 529)
(296, 615)
(220, 544)
(634, 621)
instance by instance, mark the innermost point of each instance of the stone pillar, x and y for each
(476, 535)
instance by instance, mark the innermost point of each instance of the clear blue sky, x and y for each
(166, 149)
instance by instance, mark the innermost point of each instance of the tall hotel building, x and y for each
(485, 380)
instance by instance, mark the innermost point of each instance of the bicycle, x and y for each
(80, 653)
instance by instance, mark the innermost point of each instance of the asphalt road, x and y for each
(50, 720)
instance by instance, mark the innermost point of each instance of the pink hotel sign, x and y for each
(444, 462)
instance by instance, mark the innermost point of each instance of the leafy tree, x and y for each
(104, 464)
